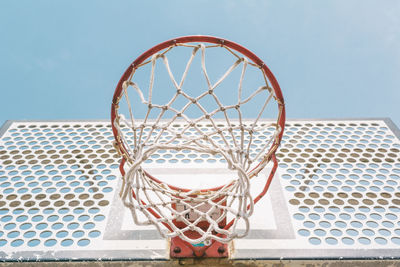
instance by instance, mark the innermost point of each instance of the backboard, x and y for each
(336, 194)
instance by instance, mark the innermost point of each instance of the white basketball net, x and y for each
(168, 207)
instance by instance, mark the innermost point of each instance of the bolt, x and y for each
(221, 249)
(177, 250)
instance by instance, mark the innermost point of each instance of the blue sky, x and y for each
(333, 59)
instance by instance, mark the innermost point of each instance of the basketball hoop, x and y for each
(201, 220)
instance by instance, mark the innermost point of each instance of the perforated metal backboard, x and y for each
(335, 195)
